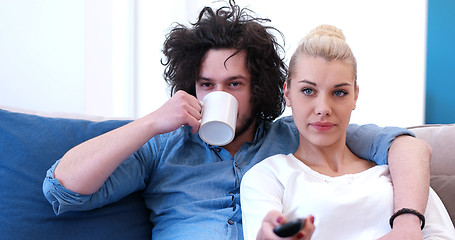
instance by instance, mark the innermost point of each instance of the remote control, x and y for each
(290, 228)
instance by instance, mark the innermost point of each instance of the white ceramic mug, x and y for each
(219, 117)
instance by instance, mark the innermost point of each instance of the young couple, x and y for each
(193, 189)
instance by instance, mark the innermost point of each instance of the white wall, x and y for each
(42, 55)
(102, 57)
(110, 61)
(67, 56)
(388, 39)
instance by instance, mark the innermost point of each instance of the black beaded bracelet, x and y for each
(407, 210)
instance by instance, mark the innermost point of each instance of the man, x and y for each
(191, 188)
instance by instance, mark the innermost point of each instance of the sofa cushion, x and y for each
(29, 145)
(442, 139)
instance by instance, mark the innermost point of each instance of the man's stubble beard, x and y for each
(245, 125)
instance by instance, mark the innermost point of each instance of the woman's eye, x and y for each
(235, 84)
(340, 93)
(307, 91)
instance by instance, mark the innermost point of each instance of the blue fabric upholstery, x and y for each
(29, 145)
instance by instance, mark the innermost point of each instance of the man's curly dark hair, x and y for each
(229, 27)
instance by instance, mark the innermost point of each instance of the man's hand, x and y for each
(85, 168)
(275, 218)
(181, 109)
(409, 164)
(405, 227)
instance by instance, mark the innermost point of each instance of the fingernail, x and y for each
(300, 235)
(279, 219)
(312, 219)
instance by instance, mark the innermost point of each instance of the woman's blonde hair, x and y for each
(324, 41)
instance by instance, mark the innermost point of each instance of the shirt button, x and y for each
(236, 164)
(218, 149)
(230, 222)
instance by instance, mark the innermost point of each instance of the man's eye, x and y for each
(340, 93)
(235, 84)
(206, 84)
(307, 91)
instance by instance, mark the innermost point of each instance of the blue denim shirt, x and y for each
(192, 188)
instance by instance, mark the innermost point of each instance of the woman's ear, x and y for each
(286, 94)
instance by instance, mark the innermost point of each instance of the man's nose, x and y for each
(220, 88)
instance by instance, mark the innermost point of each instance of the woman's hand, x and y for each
(275, 218)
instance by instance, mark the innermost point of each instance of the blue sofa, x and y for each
(31, 143)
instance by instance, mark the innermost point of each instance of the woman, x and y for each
(344, 196)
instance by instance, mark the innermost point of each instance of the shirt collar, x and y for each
(260, 130)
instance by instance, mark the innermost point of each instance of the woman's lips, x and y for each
(322, 126)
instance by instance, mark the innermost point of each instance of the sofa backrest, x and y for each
(29, 145)
(441, 137)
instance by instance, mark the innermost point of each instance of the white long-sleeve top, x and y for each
(352, 206)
